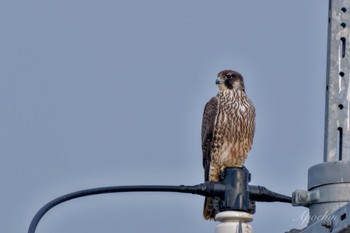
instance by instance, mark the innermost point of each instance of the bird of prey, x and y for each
(228, 127)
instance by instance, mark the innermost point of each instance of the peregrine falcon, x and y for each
(228, 127)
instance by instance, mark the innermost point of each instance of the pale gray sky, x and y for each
(99, 93)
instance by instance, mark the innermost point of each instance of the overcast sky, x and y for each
(100, 93)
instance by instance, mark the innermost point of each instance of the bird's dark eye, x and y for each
(229, 76)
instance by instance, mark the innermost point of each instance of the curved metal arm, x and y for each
(231, 187)
(205, 189)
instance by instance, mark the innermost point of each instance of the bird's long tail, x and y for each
(210, 208)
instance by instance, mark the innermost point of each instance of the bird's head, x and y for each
(227, 79)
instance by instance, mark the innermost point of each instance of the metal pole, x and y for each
(329, 182)
(337, 124)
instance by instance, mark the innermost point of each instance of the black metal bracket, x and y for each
(235, 193)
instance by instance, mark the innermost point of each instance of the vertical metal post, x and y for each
(329, 182)
(337, 124)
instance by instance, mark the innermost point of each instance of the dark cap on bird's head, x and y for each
(227, 79)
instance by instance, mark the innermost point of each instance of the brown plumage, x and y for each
(227, 131)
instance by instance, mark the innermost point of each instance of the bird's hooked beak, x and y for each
(219, 80)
